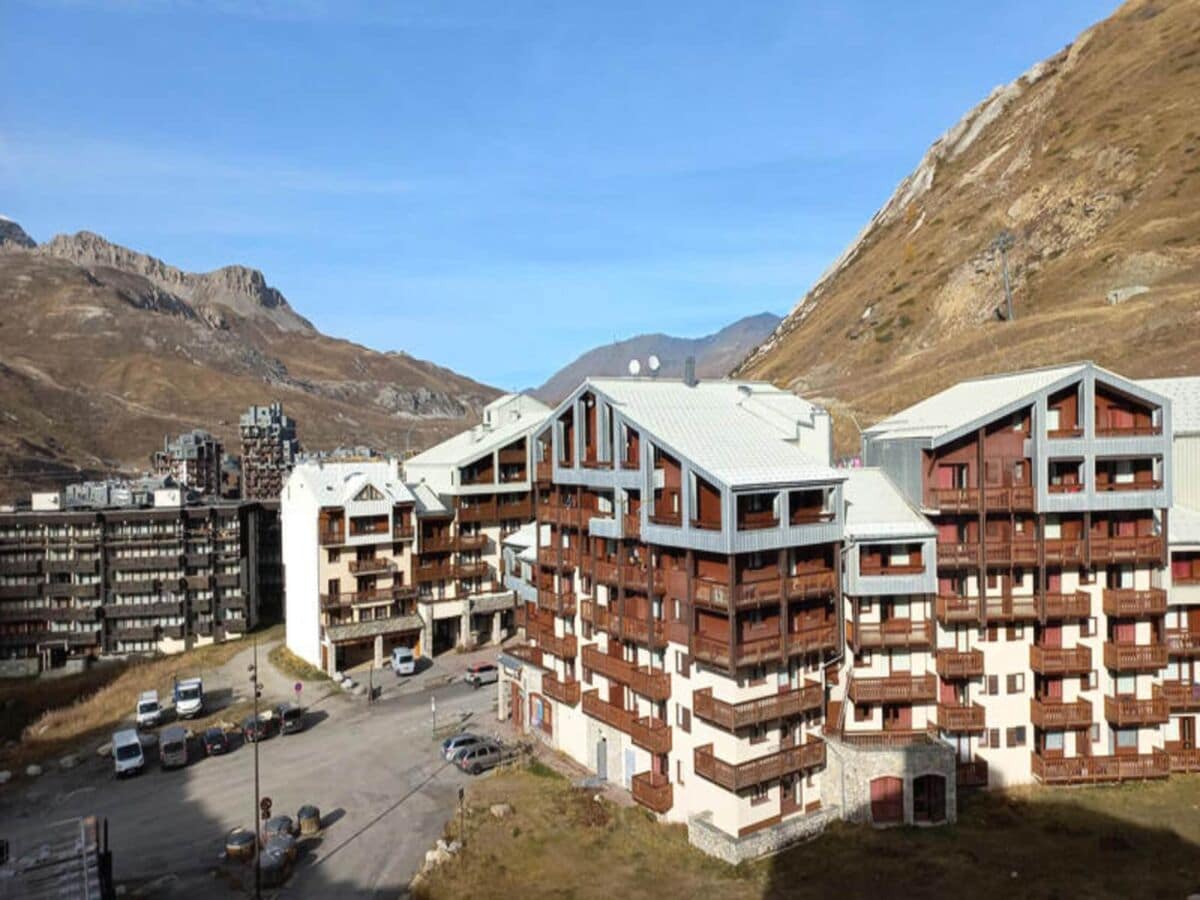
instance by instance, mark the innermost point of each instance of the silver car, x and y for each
(456, 744)
(481, 757)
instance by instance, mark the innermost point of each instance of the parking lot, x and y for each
(373, 770)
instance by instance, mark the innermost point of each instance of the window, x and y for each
(991, 738)
(1095, 732)
(1054, 741)
(683, 717)
(862, 712)
(1014, 632)
(758, 733)
(1015, 683)
(759, 795)
(1015, 737)
(862, 659)
(679, 771)
(993, 684)
(1090, 681)
(993, 632)
(758, 675)
(1127, 738)
(1088, 627)
(866, 605)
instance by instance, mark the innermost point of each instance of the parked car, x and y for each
(457, 743)
(128, 758)
(291, 718)
(215, 741)
(149, 713)
(481, 757)
(173, 747)
(482, 673)
(404, 661)
(256, 729)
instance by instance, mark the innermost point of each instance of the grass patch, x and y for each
(289, 664)
(91, 715)
(539, 769)
(1133, 840)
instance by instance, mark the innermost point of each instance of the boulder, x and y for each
(33, 770)
(104, 751)
(500, 810)
(70, 761)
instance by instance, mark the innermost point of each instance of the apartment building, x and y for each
(478, 486)
(123, 569)
(192, 459)
(269, 451)
(349, 530)
(687, 619)
(1049, 491)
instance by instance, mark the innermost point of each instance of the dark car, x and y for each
(255, 729)
(215, 742)
(291, 718)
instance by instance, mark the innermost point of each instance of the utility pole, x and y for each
(1003, 243)
(256, 688)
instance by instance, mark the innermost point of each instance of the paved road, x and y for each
(374, 772)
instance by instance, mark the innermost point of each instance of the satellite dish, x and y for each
(654, 365)
(635, 367)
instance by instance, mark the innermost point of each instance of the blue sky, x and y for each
(495, 186)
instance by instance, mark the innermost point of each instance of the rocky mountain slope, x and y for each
(715, 354)
(104, 350)
(1091, 162)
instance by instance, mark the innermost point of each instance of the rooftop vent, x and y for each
(689, 371)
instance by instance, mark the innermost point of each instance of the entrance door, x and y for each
(515, 705)
(1052, 635)
(929, 798)
(1187, 732)
(630, 763)
(791, 798)
(897, 718)
(602, 759)
(887, 801)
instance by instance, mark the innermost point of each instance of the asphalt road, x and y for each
(373, 771)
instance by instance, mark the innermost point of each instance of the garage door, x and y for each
(887, 800)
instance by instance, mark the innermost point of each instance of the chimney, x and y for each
(689, 371)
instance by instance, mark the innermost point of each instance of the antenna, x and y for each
(635, 368)
(653, 365)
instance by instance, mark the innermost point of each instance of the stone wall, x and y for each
(705, 836)
(850, 769)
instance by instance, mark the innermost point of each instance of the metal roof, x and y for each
(1184, 526)
(1184, 394)
(504, 420)
(354, 631)
(875, 508)
(339, 483)
(741, 433)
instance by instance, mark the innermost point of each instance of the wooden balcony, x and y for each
(894, 689)
(608, 713)
(973, 773)
(1135, 657)
(1113, 486)
(1008, 608)
(896, 633)
(1182, 697)
(890, 738)
(1011, 553)
(564, 647)
(478, 512)
(402, 532)
(653, 791)
(436, 572)
(654, 684)
(957, 556)
(330, 536)
(958, 664)
(950, 609)
(1055, 715)
(1060, 661)
(1130, 711)
(739, 776)
(508, 508)
(1094, 769)
(732, 716)
(605, 572)
(471, 569)
(651, 734)
(1127, 549)
(567, 691)
(652, 633)
(810, 585)
(366, 598)
(949, 500)
(1184, 760)
(470, 542)
(631, 524)
(1063, 552)
(751, 521)
(1015, 498)
(961, 719)
(436, 543)
(371, 566)
(544, 471)
(1075, 605)
(1182, 643)
(1134, 604)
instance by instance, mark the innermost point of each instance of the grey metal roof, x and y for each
(1184, 394)
(1184, 527)
(357, 631)
(742, 433)
(875, 508)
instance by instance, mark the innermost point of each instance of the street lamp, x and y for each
(256, 688)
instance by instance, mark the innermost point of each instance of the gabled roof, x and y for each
(343, 483)
(1184, 394)
(504, 420)
(875, 509)
(743, 434)
(428, 501)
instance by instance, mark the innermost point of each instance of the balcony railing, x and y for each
(1065, 552)
(1182, 697)
(329, 536)
(1119, 431)
(1075, 605)
(1122, 711)
(1090, 769)
(609, 713)
(1184, 760)
(654, 684)
(1055, 715)
(1131, 603)
(653, 790)
(1007, 608)
(468, 542)
(531, 655)
(436, 543)
(810, 585)
(958, 664)
(356, 598)
(954, 499)
(732, 716)
(403, 532)
(472, 569)
(890, 634)
(567, 691)
(957, 555)
(1060, 661)
(369, 566)
(1011, 553)
(973, 773)
(651, 734)
(950, 609)
(564, 647)
(739, 776)
(632, 526)
(1127, 549)
(894, 689)
(1018, 498)
(959, 718)
(1135, 657)
(1182, 643)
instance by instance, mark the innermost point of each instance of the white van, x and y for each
(189, 698)
(404, 661)
(148, 711)
(127, 752)
(173, 747)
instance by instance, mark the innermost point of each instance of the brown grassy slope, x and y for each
(1092, 161)
(91, 379)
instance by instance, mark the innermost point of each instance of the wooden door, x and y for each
(1125, 632)
(790, 796)
(1187, 732)
(1052, 635)
(887, 800)
(897, 718)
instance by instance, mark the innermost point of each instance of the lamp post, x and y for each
(256, 688)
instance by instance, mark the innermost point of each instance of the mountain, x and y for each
(715, 355)
(1091, 162)
(103, 350)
